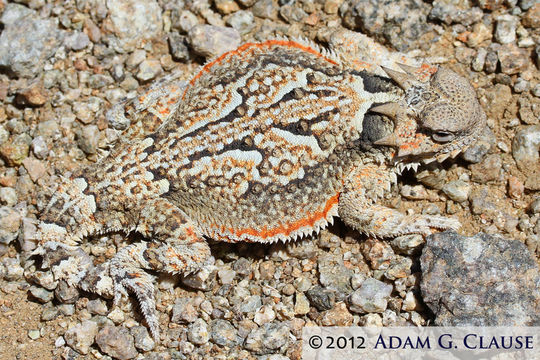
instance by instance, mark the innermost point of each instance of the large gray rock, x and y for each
(481, 280)
(26, 41)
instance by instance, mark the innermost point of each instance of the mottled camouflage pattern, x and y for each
(267, 142)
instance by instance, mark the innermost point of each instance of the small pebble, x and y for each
(179, 49)
(479, 60)
(415, 192)
(148, 70)
(226, 7)
(136, 57)
(143, 340)
(534, 207)
(117, 316)
(372, 296)
(339, 315)
(267, 338)
(288, 289)
(14, 270)
(407, 244)
(184, 311)
(50, 313)
(198, 332)
(39, 147)
(321, 298)
(33, 95)
(525, 147)
(117, 342)
(78, 40)
(512, 59)
(521, 85)
(81, 336)
(87, 139)
(515, 187)
(186, 20)
(36, 169)
(210, 41)
(98, 81)
(503, 147)
(251, 304)
(409, 303)
(265, 9)
(505, 30)
(301, 305)
(34, 334)
(65, 293)
(15, 150)
(226, 276)
(536, 90)
(531, 19)
(242, 21)
(223, 333)
(8, 196)
(264, 315)
(40, 294)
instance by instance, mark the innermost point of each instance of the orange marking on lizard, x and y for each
(285, 229)
(165, 111)
(362, 65)
(246, 46)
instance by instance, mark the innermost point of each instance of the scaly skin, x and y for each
(268, 143)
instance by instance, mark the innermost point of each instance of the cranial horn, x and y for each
(390, 109)
(400, 78)
(390, 140)
(455, 152)
(411, 70)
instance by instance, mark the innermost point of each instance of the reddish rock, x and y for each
(513, 59)
(515, 187)
(35, 168)
(33, 95)
(531, 18)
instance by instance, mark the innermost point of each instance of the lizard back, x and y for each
(256, 150)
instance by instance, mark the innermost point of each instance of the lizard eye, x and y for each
(442, 136)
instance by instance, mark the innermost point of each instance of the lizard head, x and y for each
(437, 119)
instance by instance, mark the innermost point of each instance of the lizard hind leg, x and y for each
(177, 247)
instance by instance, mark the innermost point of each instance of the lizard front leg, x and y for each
(358, 208)
(176, 247)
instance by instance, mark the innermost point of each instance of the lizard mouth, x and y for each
(415, 146)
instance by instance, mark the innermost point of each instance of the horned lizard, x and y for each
(266, 143)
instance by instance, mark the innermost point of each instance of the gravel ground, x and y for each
(63, 64)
